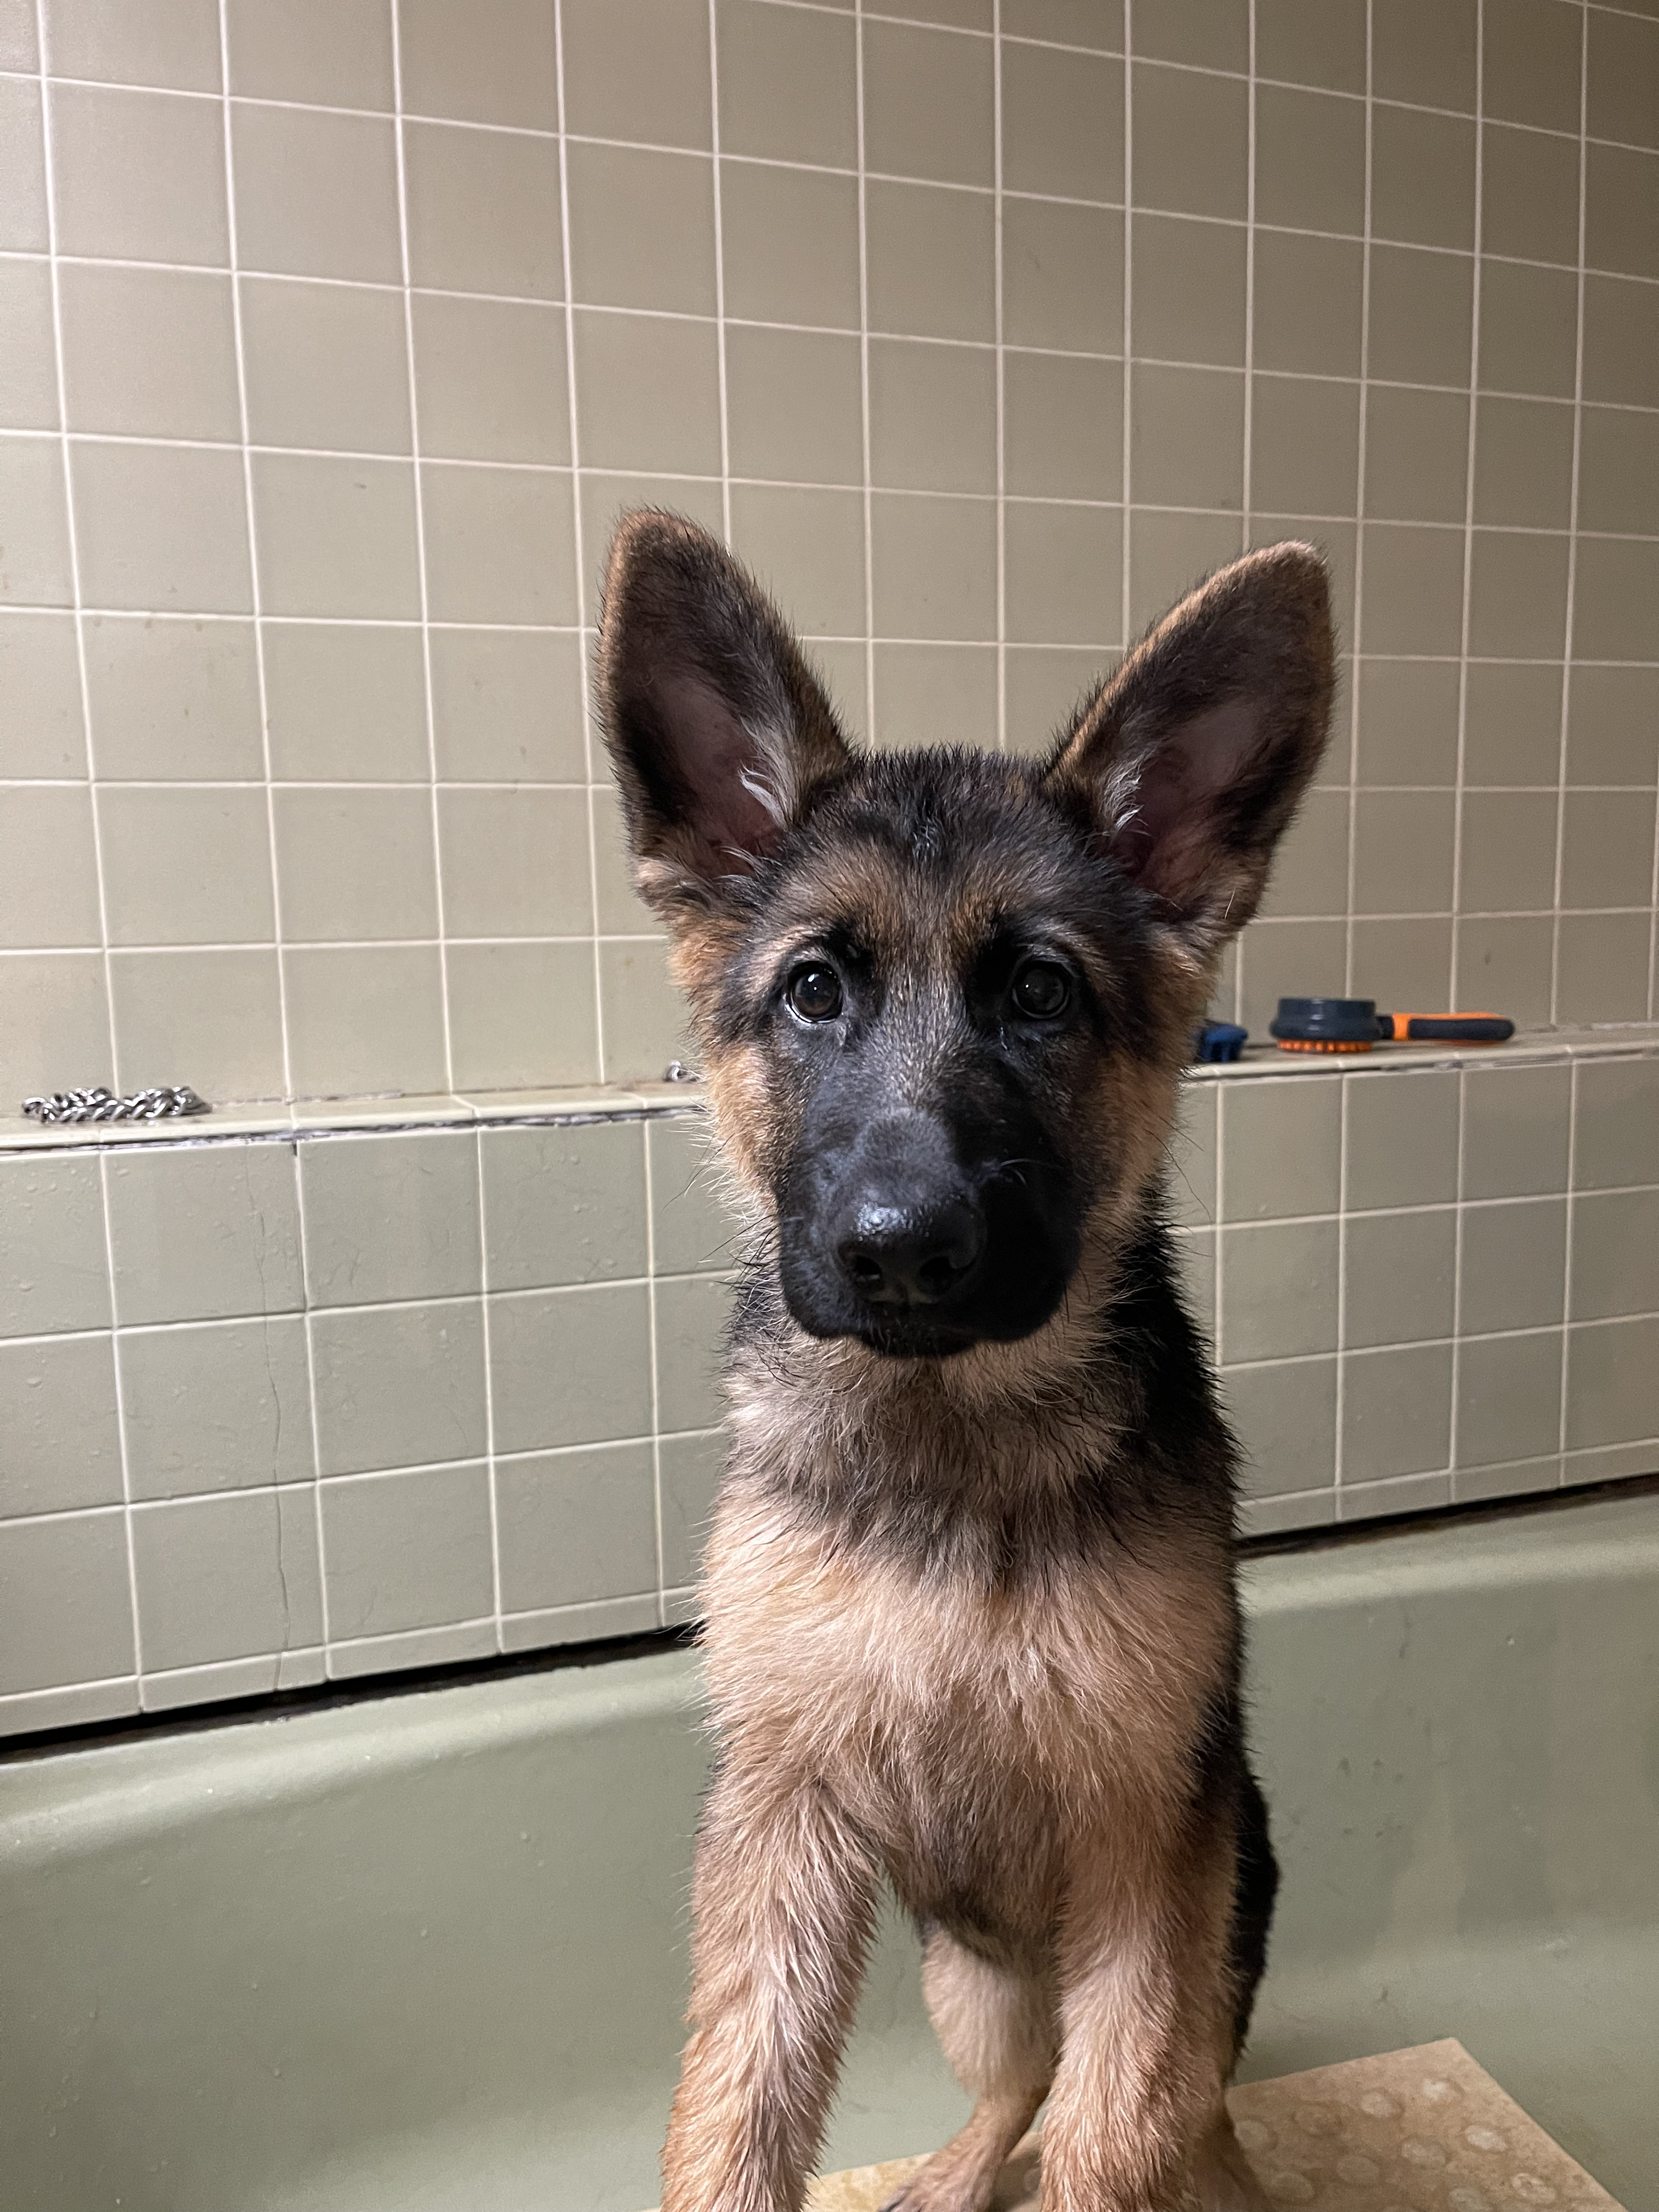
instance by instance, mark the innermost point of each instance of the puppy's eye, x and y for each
(1043, 990)
(814, 994)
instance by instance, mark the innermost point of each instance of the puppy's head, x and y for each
(944, 997)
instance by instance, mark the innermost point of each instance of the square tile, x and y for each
(1310, 161)
(1621, 316)
(54, 1274)
(1424, 51)
(1281, 1147)
(1396, 1412)
(224, 1406)
(1304, 444)
(507, 706)
(1528, 329)
(1619, 469)
(690, 1469)
(1407, 722)
(935, 567)
(147, 352)
(522, 1014)
(648, 390)
(790, 245)
(1400, 1269)
(365, 1019)
(1278, 959)
(512, 75)
(1529, 196)
(1529, 64)
(576, 1526)
(1312, 42)
(1284, 1417)
(1044, 685)
(620, 909)
(642, 228)
(693, 1313)
(1413, 589)
(54, 1023)
(794, 405)
(1402, 1138)
(1621, 232)
(173, 700)
(1206, 33)
(1186, 438)
(1404, 962)
(928, 104)
(931, 264)
(346, 704)
(213, 1019)
(1612, 726)
(1278, 1289)
(186, 864)
(787, 84)
(647, 1022)
(399, 1386)
(1616, 1134)
(570, 1367)
(1074, 22)
(933, 416)
(1188, 290)
(1512, 723)
(336, 537)
(1416, 455)
(1612, 1382)
(313, 52)
(1518, 595)
(42, 733)
(807, 548)
(49, 892)
(1420, 311)
(485, 212)
(23, 226)
(139, 176)
(1309, 303)
(1602, 969)
(326, 365)
(936, 695)
(316, 193)
(1422, 178)
(491, 380)
(1514, 1265)
(564, 1205)
(204, 1232)
(1062, 276)
(694, 1225)
(1191, 141)
(390, 1218)
(1613, 605)
(65, 1608)
(161, 528)
(1403, 851)
(639, 70)
(1607, 849)
(1515, 1131)
(1508, 1398)
(1062, 124)
(500, 544)
(60, 1433)
(516, 863)
(1506, 861)
(1523, 463)
(175, 44)
(1170, 553)
(408, 1551)
(1615, 1256)
(1623, 70)
(1065, 575)
(352, 864)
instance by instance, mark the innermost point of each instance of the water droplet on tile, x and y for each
(1485, 2139)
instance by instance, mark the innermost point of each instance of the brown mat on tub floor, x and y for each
(1421, 2130)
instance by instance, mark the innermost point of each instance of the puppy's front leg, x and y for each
(782, 1900)
(1136, 2121)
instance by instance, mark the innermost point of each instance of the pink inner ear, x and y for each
(711, 753)
(1173, 841)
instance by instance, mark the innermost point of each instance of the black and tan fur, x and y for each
(972, 1625)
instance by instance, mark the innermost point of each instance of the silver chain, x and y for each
(100, 1105)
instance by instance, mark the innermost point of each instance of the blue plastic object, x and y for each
(1218, 1041)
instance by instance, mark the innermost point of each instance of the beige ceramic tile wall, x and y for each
(333, 336)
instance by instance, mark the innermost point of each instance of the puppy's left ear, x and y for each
(1192, 759)
(719, 730)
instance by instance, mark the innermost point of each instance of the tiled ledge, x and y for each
(319, 1117)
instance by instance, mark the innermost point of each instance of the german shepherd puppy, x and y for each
(972, 1621)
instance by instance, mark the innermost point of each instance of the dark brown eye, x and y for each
(814, 992)
(1043, 990)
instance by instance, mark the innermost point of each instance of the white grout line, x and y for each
(1001, 376)
(1471, 438)
(719, 272)
(419, 534)
(1249, 470)
(863, 385)
(1572, 532)
(566, 265)
(1344, 1097)
(489, 1389)
(1126, 604)
(120, 1403)
(309, 1315)
(656, 1398)
(1566, 1293)
(1457, 1286)
(1357, 642)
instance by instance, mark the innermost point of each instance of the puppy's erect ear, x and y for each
(1193, 757)
(719, 730)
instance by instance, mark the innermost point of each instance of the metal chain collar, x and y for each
(100, 1105)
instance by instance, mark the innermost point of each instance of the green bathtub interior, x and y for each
(428, 1951)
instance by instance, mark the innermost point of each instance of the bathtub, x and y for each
(427, 1951)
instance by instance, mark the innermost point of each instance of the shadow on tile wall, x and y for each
(335, 340)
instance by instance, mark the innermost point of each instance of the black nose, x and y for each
(908, 1256)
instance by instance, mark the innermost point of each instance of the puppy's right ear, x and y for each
(719, 731)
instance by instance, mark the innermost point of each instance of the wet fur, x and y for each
(972, 1625)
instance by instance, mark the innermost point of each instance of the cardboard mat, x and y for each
(1420, 2131)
